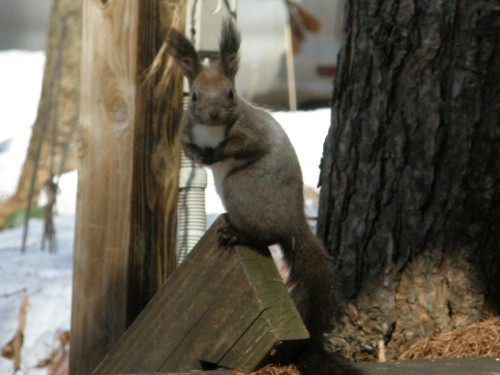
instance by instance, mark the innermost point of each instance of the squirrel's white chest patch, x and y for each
(208, 136)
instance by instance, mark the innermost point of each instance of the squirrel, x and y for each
(258, 177)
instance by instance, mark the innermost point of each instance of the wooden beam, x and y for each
(155, 179)
(215, 372)
(228, 308)
(125, 220)
(462, 366)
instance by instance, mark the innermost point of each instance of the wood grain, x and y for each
(126, 204)
(104, 182)
(229, 308)
(155, 163)
(464, 366)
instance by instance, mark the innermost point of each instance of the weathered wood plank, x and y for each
(108, 89)
(215, 372)
(128, 166)
(224, 307)
(476, 366)
(155, 179)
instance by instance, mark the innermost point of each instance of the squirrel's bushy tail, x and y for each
(310, 280)
(312, 286)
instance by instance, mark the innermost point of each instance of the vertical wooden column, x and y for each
(156, 159)
(128, 168)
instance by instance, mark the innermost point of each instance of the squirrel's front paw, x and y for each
(211, 156)
(207, 156)
(200, 155)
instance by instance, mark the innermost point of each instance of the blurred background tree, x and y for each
(51, 150)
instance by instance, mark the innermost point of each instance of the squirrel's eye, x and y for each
(230, 94)
(194, 97)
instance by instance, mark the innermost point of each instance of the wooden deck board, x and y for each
(476, 366)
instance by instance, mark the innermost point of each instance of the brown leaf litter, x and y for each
(480, 339)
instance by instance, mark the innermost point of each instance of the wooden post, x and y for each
(128, 171)
(155, 179)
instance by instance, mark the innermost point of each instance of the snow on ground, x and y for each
(20, 85)
(46, 278)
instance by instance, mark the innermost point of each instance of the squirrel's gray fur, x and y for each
(258, 177)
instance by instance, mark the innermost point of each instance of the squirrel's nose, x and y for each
(214, 113)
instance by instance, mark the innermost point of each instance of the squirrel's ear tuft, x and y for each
(184, 53)
(229, 46)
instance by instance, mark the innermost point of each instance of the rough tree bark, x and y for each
(410, 179)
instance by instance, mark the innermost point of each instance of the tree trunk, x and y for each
(410, 179)
(58, 108)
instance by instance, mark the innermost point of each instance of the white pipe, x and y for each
(191, 216)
